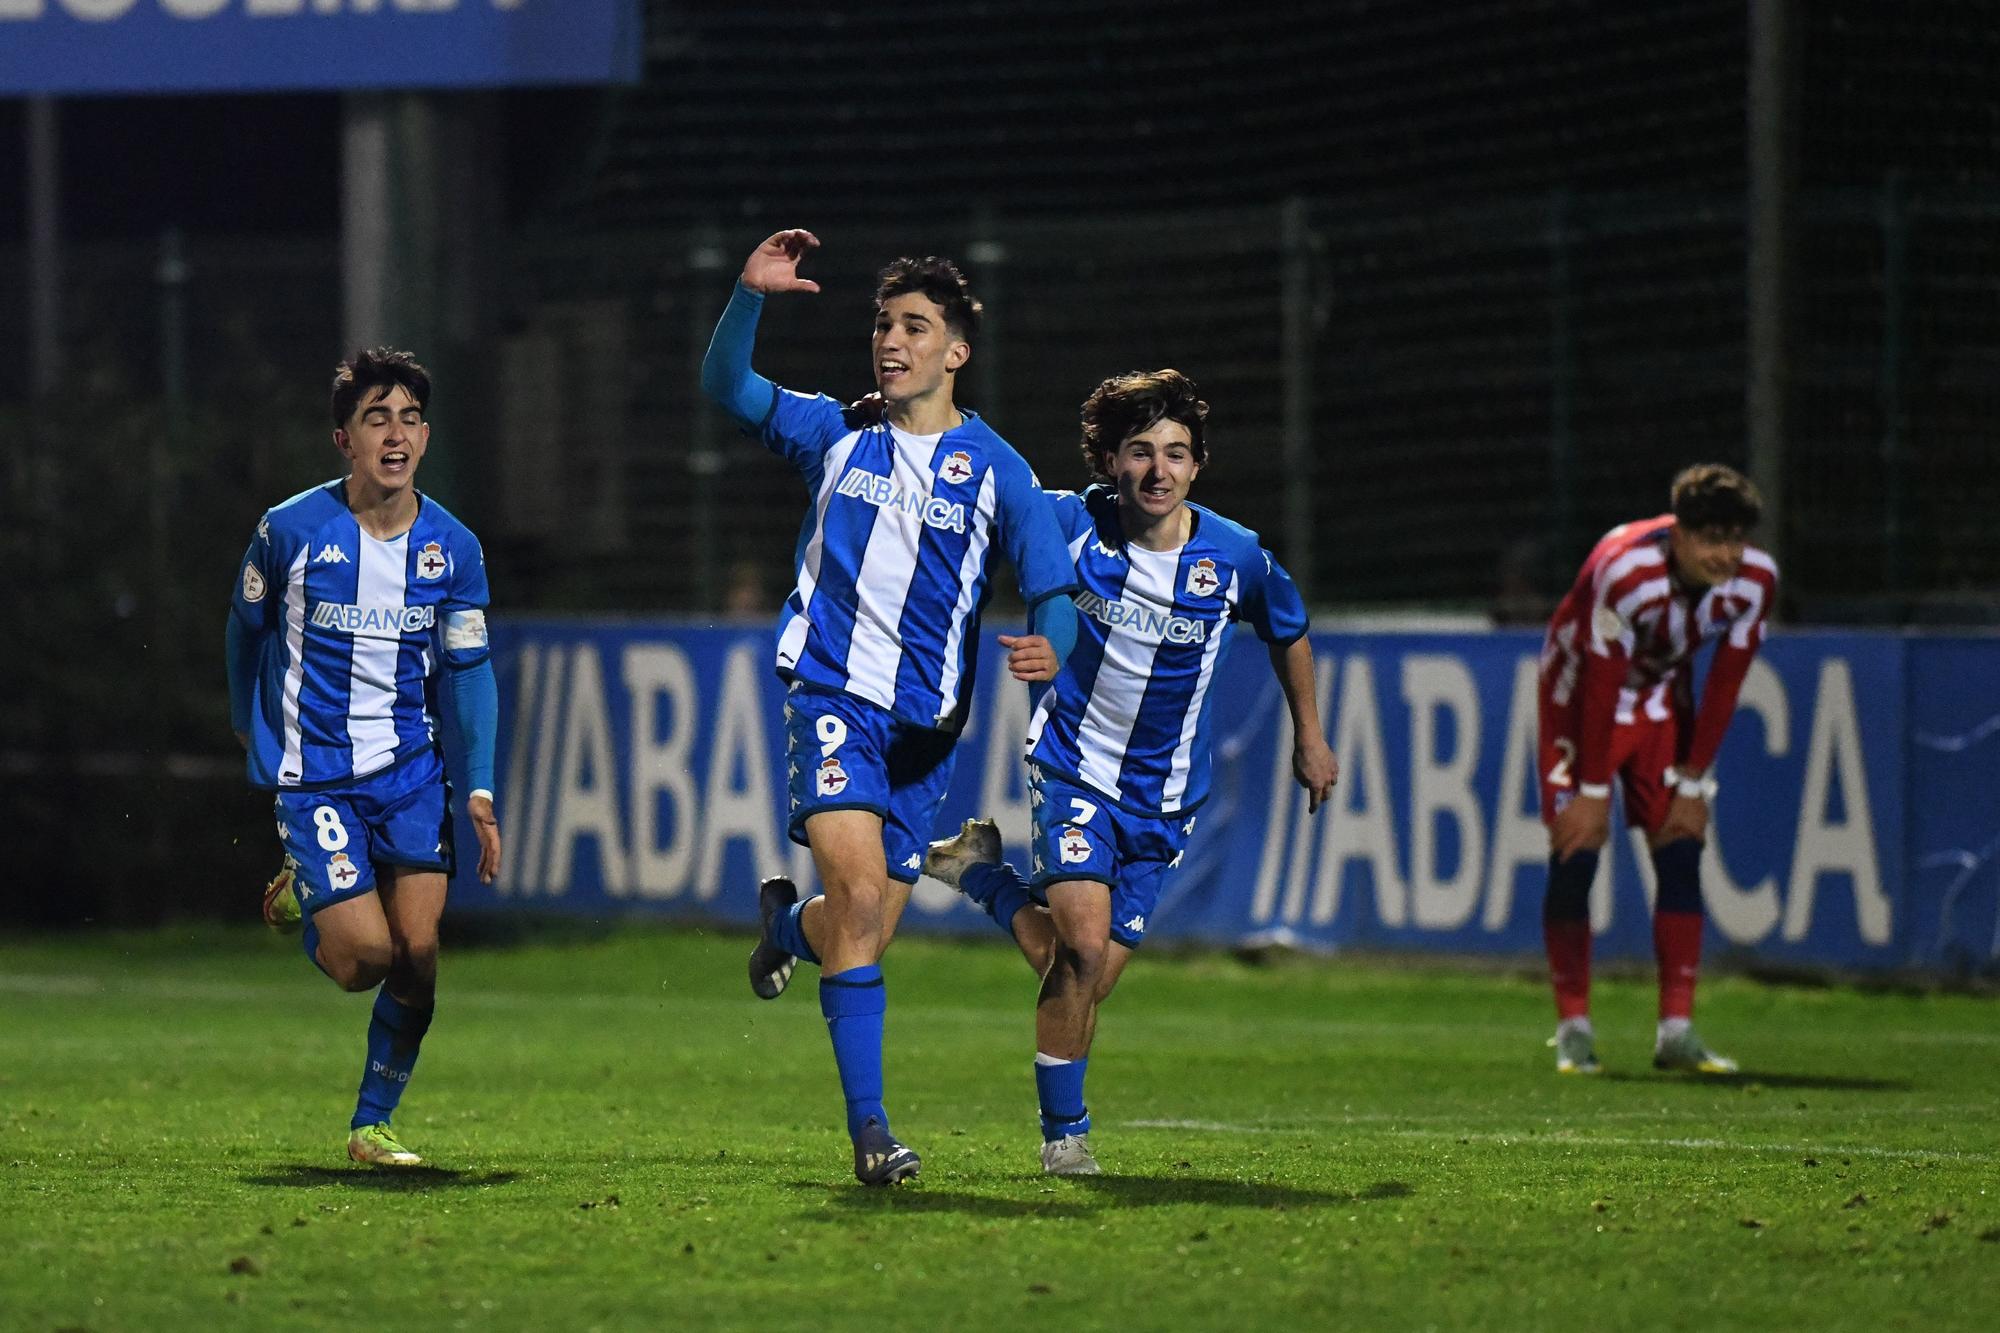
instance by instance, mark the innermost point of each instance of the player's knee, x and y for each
(417, 960)
(1568, 896)
(359, 967)
(1085, 960)
(1677, 871)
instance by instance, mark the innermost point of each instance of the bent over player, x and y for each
(1118, 746)
(879, 640)
(353, 600)
(1616, 700)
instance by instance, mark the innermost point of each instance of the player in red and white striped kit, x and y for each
(1617, 699)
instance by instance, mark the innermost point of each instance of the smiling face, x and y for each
(915, 351)
(385, 438)
(1705, 557)
(1154, 469)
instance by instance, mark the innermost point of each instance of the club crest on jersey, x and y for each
(254, 587)
(957, 467)
(830, 779)
(1073, 847)
(340, 872)
(430, 561)
(330, 554)
(1201, 579)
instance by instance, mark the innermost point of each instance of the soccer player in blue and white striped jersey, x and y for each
(1118, 746)
(353, 601)
(880, 638)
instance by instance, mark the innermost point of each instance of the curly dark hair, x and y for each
(377, 368)
(1126, 405)
(1713, 495)
(940, 281)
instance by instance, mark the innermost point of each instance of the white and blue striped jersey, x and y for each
(894, 556)
(352, 631)
(1127, 714)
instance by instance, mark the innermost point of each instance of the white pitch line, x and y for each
(1571, 1140)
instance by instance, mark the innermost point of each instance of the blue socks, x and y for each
(853, 1002)
(395, 1031)
(1059, 1085)
(999, 889)
(788, 932)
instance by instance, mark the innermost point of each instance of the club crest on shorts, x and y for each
(430, 561)
(830, 779)
(254, 586)
(1073, 847)
(1201, 579)
(341, 873)
(957, 467)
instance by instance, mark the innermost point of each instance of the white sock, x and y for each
(1573, 1025)
(1671, 1029)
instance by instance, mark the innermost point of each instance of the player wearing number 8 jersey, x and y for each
(354, 602)
(1617, 700)
(880, 637)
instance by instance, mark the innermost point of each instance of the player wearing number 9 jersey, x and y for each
(1616, 700)
(356, 601)
(880, 638)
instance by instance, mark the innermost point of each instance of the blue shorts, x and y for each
(1082, 835)
(845, 753)
(338, 835)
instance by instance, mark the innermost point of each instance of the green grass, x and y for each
(624, 1138)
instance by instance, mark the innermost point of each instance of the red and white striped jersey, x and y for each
(1620, 642)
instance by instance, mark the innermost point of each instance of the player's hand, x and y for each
(774, 265)
(1316, 769)
(869, 409)
(1583, 826)
(1687, 817)
(1030, 656)
(487, 826)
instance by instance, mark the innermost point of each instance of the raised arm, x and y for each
(726, 375)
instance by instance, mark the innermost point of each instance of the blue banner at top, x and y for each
(68, 47)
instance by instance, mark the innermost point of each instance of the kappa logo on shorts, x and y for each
(340, 872)
(830, 779)
(430, 561)
(1201, 579)
(254, 586)
(1073, 847)
(957, 467)
(913, 862)
(1137, 925)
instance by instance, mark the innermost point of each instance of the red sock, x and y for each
(1568, 945)
(1677, 946)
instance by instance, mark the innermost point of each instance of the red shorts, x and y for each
(1642, 751)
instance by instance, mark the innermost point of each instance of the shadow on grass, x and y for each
(1753, 1078)
(1061, 1198)
(407, 1179)
(919, 1199)
(1212, 1192)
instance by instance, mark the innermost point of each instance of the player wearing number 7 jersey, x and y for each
(354, 601)
(1616, 700)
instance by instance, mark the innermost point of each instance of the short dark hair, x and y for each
(1713, 495)
(373, 368)
(1125, 405)
(940, 281)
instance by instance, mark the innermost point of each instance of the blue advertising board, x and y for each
(67, 47)
(642, 772)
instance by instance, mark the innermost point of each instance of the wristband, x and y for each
(479, 791)
(1695, 789)
(1596, 791)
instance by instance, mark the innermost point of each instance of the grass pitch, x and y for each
(624, 1138)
